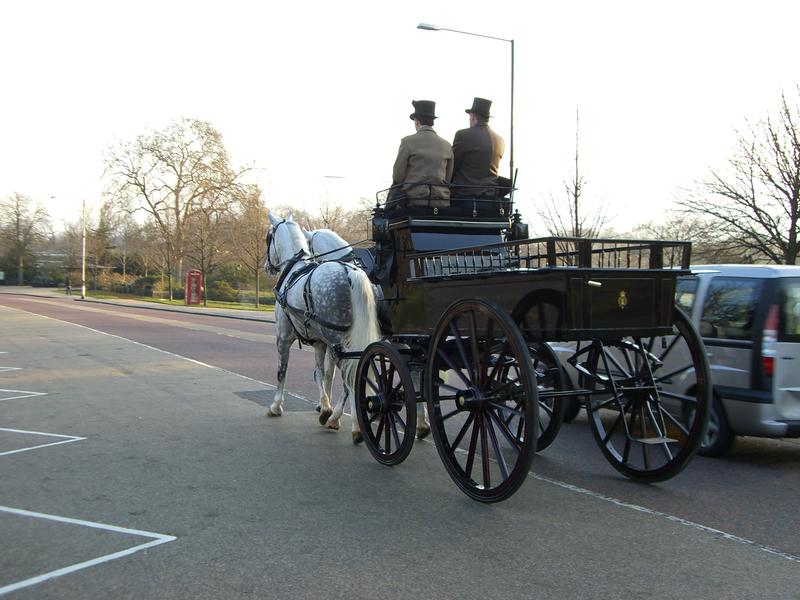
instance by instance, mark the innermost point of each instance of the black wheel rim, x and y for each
(650, 408)
(482, 401)
(386, 401)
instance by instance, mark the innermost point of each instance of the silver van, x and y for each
(749, 319)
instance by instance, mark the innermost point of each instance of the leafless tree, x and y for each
(166, 174)
(22, 225)
(128, 239)
(570, 218)
(756, 200)
(205, 244)
(708, 246)
(249, 232)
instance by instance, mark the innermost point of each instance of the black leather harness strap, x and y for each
(287, 280)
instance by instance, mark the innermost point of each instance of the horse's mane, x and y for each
(297, 235)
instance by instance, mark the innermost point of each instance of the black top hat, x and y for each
(423, 108)
(480, 106)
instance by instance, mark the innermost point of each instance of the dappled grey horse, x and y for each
(327, 245)
(325, 305)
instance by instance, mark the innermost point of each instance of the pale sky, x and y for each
(316, 96)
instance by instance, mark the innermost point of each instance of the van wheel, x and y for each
(719, 437)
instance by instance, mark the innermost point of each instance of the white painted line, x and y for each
(66, 440)
(157, 540)
(656, 513)
(22, 394)
(4, 369)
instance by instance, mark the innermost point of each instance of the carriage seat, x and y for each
(469, 202)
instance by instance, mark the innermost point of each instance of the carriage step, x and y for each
(655, 440)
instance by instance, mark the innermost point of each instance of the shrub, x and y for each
(222, 291)
(144, 286)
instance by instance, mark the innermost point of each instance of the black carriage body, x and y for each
(581, 288)
(474, 303)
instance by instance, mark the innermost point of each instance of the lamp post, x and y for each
(429, 27)
(83, 251)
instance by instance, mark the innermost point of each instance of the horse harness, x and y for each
(288, 279)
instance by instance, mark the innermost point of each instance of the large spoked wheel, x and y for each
(481, 394)
(536, 316)
(386, 403)
(650, 402)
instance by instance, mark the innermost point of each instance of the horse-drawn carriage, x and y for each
(481, 315)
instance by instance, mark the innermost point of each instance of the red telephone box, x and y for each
(192, 293)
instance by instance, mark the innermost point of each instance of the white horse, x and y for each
(326, 305)
(327, 245)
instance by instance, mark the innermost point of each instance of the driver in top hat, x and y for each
(424, 163)
(477, 152)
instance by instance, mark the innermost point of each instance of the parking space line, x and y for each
(22, 394)
(66, 440)
(157, 540)
(4, 369)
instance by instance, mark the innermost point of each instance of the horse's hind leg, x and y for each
(348, 370)
(424, 424)
(323, 373)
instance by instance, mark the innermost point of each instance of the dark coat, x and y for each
(424, 158)
(477, 152)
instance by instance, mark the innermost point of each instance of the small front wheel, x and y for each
(386, 403)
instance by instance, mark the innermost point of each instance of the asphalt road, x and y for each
(154, 447)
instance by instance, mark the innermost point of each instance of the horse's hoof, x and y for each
(318, 408)
(324, 415)
(357, 438)
(274, 413)
(423, 432)
(332, 424)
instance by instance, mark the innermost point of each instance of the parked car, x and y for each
(749, 319)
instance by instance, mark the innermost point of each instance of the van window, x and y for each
(729, 308)
(685, 293)
(790, 321)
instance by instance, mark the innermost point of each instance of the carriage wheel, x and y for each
(481, 394)
(386, 403)
(650, 406)
(540, 314)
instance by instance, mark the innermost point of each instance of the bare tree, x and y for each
(128, 239)
(166, 174)
(756, 201)
(23, 225)
(575, 221)
(707, 244)
(249, 233)
(204, 243)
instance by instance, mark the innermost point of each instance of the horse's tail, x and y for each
(365, 328)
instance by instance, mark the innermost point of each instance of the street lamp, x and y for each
(429, 27)
(83, 251)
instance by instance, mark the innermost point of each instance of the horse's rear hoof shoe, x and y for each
(357, 438)
(324, 415)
